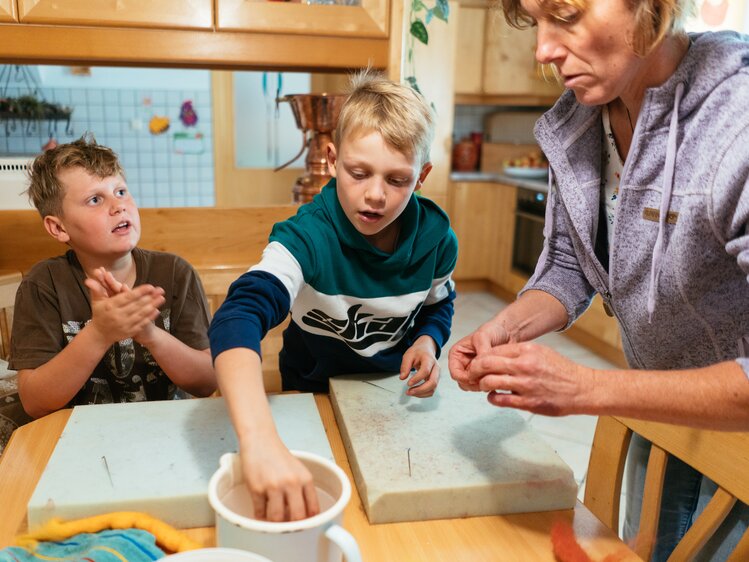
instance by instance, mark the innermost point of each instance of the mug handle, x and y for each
(345, 541)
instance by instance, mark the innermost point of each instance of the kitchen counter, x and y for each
(496, 177)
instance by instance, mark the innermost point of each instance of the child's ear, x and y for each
(425, 169)
(54, 227)
(331, 159)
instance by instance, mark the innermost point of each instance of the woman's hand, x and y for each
(463, 353)
(533, 377)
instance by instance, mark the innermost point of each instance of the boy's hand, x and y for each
(422, 356)
(281, 487)
(124, 314)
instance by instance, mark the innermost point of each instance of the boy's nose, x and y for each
(376, 191)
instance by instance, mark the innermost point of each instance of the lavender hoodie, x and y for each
(678, 287)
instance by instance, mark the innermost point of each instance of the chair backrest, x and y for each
(9, 283)
(721, 456)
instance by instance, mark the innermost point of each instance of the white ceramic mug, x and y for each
(316, 539)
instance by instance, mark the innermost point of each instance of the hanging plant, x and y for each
(420, 16)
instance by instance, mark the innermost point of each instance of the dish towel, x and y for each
(122, 545)
(124, 536)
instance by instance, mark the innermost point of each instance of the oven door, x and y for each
(528, 242)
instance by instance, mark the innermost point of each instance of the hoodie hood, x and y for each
(423, 225)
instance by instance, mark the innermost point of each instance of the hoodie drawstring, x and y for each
(668, 185)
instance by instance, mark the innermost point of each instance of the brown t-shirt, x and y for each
(53, 305)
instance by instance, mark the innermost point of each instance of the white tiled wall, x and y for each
(157, 175)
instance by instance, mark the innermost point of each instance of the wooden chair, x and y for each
(721, 456)
(9, 283)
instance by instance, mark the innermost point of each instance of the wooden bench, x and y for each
(220, 243)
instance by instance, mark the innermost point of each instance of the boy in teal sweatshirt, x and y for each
(365, 270)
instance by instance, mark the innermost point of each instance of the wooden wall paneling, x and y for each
(196, 14)
(8, 12)
(207, 237)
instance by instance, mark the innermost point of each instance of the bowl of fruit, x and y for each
(533, 165)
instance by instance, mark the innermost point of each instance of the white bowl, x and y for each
(216, 555)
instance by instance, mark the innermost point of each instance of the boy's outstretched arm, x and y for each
(188, 368)
(53, 385)
(280, 486)
(278, 483)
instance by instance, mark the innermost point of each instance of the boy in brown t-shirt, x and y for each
(107, 321)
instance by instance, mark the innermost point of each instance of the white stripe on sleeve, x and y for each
(281, 263)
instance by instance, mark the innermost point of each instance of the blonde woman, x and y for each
(648, 207)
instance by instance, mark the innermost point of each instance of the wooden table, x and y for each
(521, 537)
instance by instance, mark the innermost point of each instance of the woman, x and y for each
(666, 246)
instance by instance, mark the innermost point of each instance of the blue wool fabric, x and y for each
(128, 545)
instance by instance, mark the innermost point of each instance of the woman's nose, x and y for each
(548, 47)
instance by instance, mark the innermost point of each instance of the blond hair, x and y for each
(654, 19)
(46, 191)
(395, 111)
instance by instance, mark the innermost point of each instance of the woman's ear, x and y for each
(54, 227)
(332, 158)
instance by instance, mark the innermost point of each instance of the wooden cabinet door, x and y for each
(510, 66)
(368, 19)
(483, 218)
(196, 14)
(469, 53)
(8, 11)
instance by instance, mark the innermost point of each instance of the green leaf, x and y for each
(442, 10)
(413, 83)
(417, 5)
(419, 30)
(428, 17)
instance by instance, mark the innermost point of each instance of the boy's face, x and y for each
(99, 217)
(375, 182)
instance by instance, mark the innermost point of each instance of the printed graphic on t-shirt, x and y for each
(126, 371)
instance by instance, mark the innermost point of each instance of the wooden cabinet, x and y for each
(217, 34)
(497, 61)
(8, 10)
(196, 14)
(369, 19)
(482, 215)
(469, 56)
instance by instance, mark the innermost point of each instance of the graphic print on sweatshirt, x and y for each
(367, 325)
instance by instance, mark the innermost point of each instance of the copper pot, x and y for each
(316, 115)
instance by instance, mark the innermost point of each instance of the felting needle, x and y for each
(106, 465)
